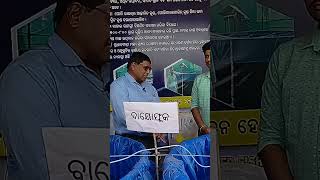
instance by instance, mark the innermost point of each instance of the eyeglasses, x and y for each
(146, 68)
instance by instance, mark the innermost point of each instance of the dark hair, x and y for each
(138, 57)
(206, 47)
(62, 6)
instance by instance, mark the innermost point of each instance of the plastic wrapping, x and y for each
(184, 167)
(134, 168)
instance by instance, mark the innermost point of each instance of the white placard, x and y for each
(77, 153)
(152, 117)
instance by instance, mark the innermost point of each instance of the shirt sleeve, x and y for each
(155, 94)
(194, 94)
(118, 95)
(26, 106)
(271, 129)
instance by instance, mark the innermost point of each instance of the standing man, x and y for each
(132, 87)
(289, 137)
(63, 85)
(200, 104)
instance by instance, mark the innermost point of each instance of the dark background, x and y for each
(12, 13)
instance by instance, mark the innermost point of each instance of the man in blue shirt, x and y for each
(62, 85)
(133, 88)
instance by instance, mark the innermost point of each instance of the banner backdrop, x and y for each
(170, 32)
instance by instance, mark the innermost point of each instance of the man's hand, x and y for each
(276, 171)
(205, 130)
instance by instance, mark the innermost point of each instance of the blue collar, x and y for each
(63, 51)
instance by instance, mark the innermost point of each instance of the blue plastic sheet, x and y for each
(184, 167)
(134, 168)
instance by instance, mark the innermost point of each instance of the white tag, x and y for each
(152, 117)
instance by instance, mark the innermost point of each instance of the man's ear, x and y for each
(133, 66)
(74, 13)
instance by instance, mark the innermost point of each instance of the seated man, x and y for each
(61, 85)
(133, 88)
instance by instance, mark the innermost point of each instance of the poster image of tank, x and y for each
(33, 33)
(180, 75)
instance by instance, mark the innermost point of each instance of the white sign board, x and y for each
(77, 153)
(152, 117)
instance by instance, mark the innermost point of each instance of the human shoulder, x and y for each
(119, 82)
(285, 54)
(37, 60)
(35, 65)
(199, 77)
(297, 43)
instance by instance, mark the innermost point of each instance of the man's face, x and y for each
(141, 71)
(95, 32)
(313, 7)
(207, 58)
